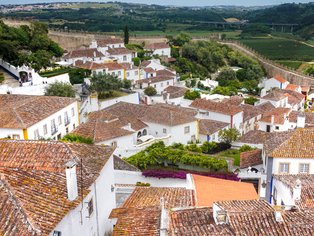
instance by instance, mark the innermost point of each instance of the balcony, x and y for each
(67, 121)
(54, 130)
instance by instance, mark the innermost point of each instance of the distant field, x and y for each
(88, 5)
(281, 49)
(291, 64)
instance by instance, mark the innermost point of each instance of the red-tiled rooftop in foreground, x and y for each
(209, 190)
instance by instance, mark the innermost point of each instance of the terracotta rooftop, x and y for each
(208, 127)
(243, 206)
(155, 46)
(218, 107)
(307, 188)
(305, 89)
(174, 91)
(23, 111)
(149, 70)
(266, 106)
(153, 80)
(103, 125)
(128, 66)
(196, 221)
(209, 190)
(105, 41)
(293, 96)
(250, 111)
(280, 115)
(292, 87)
(89, 53)
(275, 95)
(118, 51)
(150, 196)
(309, 117)
(33, 192)
(280, 79)
(275, 139)
(165, 73)
(120, 164)
(254, 137)
(299, 145)
(145, 63)
(234, 100)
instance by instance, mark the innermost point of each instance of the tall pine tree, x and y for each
(126, 35)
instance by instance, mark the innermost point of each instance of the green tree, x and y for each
(126, 35)
(136, 61)
(179, 40)
(150, 91)
(77, 75)
(229, 135)
(192, 94)
(105, 84)
(225, 75)
(127, 84)
(60, 89)
(246, 148)
(75, 138)
(250, 100)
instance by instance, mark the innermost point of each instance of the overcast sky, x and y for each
(173, 2)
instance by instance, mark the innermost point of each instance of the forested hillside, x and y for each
(28, 45)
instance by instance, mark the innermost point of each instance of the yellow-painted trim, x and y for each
(124, 74)
(25, 134)
(139, 74)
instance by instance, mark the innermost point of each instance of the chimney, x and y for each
(71, 180)
(263, 92)
(272, 119)
(219, 214)
(278, 216)
(297, 191)
(301, 120)
(164, 219)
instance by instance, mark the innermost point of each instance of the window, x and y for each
(58, 136)
(161, 85)
(268, 128)
(136, 73)
(144, 132)
(45, 129)
(304, 168)
(168, 83)
(277, 127)
(73, 126)
(187, 129)
(36, 134)
(67, 130)
(59, 120)
(127, 74)
(284, 168)
(16, 136)
(56, 233)
(164, 130)
(114, 143)
(90, 207)
(119, 73)
(154, 85)
(124, 58)
(72, 111)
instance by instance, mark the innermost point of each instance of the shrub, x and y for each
(193, 148)
(77, 139)
(250, 100)
(78, 75)
(192, 94)
(140, 184)
(136, 61)
(177, 146)
(209, 147)
(246, 148)
(150, 91)
(60, 89)
(229, 135)
(1, 77)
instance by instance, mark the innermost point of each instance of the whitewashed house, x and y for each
(276, 120)
(159, 49)
(104, 44)
(122, 55)
(89, 54)
(59, 187)
(37, 117)
(275, 82)
(155, 64)
(251, 116)
(173, 95)
(131, 72)
(158, 82)
(209, 130)
(219, 111)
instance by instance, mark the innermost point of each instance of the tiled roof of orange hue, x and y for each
(165, 73)
(154, 46)
(149, 70)
(89, 65)
(218, 107)
(153, 80)
(210, 190)
(33, 192)
(196, 221)
(145, 63)
(119, 51)
(234, 100)
(157, 113)
(128, 66)
(279, 114)
(23, 111)
(307, 188)
(292, 87)
(243, 206)
(208, 127)
(174, 91)
(89, 52)
(102, 126)
(254, 137)
(294, 97)
(136, 221)
(105, 41)
(280, 79)
(120, 164)
(250, 111)
(275, 139)
(309, 117)
(266, 106)
(275, 95)
(150, 196)
(299, 145)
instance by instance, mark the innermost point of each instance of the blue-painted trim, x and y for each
(9, 72)
(271, 189)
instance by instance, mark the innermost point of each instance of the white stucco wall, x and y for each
(4, 133)
(294, 164)
(163, 52)
(103, 202)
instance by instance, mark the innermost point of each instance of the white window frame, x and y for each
(282, 168)
(302, 168)
(187, 129)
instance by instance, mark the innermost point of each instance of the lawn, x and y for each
(281, 49)
(115, 94)
(231, 153)
(55, 72)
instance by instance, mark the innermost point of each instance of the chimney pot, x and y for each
(71, 180)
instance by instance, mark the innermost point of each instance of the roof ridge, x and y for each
(19, 117)
(18, 204)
